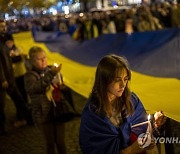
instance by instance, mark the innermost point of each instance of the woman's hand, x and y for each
(134, 148)
(151, 146)
(159, 119)
(56, 68)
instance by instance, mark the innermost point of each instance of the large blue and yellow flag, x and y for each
(154, 59)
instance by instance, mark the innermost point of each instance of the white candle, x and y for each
(59, 78)
(149, 117)
(149, 125)
(144, 139)
(58, 74)
(145, 122)
(139, 124)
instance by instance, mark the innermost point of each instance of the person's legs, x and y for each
(22, 112)
(48, 131)
(60, 138)
(2, 114)
(20, 85)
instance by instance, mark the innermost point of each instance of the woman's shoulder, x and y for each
(36, 72)
(32, 72)
(91, 105)
(134, 96)
(32, 75)
(135, 99)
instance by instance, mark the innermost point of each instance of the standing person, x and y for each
(37, 81)
(18, 59)
(111, 110)
(8, 84)
(3, 85)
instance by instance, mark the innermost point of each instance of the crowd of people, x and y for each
(92, 24)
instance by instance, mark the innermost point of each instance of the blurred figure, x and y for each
(38, 81)
(18, 59)
(8, 84)
(2, 95)
(129, 26)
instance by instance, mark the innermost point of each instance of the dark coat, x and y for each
(6, 69)
(36, 84)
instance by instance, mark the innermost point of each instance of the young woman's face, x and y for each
(40, 61)
(116, 88)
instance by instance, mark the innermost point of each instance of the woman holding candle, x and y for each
(111, 110)
(37, 81)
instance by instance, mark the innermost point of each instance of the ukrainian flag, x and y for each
(154, 59)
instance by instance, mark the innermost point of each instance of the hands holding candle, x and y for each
(145, 140)
(142, 123)
(149, 125)
(159, 120)
(57, 67)
(57, 79)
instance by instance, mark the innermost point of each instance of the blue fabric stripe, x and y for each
(153, 53)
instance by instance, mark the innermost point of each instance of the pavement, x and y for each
(28, 140)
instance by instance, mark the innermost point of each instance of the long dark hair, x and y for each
(106, 72)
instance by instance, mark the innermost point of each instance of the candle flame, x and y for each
(55, 64)
(149, 117)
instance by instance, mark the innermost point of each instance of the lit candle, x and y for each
(139, 124)
(149, 117)
(145, 122)
(55, 64)
(144, 139)
(58, 74)
(149, 125)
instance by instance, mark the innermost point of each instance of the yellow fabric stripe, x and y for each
(158, 93)
(155, 93)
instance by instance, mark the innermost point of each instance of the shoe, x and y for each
(20, 123)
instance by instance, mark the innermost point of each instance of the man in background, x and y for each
(7, 83)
